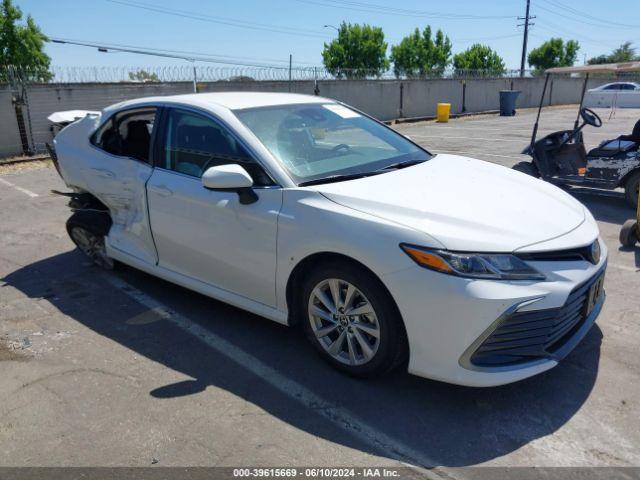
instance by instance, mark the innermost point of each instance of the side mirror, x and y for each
(231, 178)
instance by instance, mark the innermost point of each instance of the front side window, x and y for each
(127, 134)
(318, 141)
(194, 143)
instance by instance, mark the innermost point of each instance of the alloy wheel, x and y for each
(344, 321)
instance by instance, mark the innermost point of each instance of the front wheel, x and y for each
(352, 321)
(629, 233)
(631, 189)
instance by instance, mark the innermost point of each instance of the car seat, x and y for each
(635, 134)
(622, 144)
(198, 146)
(136, 143)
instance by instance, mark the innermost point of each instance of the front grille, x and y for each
(580, 253)
(526, 336)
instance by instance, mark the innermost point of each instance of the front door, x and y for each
(209, 235)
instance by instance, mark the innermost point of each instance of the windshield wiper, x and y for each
(396, 166)
(337, 178)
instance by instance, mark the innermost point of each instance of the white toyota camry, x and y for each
(308, 212)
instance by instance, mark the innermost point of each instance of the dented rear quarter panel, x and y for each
(118, 182)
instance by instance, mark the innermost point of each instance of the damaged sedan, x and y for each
(310, 213)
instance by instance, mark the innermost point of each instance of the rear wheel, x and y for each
(527, 167)
(631, 187)
(352, 321)
(88, 230)
(629, 233)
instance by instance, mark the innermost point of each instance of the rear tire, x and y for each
(629, 233)
(87, 231)
(631, 187)
(527, 167)
(363, 335)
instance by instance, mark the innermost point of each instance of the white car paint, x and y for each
(169, 225)
(610, 95)
(425, 198)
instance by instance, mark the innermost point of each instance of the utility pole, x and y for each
(526, 24)
(290, 62)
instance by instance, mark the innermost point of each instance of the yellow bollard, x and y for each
(444, 109)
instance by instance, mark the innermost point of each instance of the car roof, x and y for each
(229, 100)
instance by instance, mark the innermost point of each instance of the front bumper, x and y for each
(448, 318)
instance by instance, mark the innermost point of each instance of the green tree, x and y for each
(553, 53)
(419, 55)
(479, 57)
(22, 45)
(358, 51)
(143, 76)
(624, 53)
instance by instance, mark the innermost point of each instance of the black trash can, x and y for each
(508, 102)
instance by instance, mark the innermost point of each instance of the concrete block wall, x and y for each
(45, 99)
(379, 98)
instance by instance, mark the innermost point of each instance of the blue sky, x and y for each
(594, 23)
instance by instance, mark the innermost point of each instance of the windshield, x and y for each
(328, 141)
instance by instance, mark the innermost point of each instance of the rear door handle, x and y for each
(161, 190)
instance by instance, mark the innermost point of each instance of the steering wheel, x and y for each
(341, 146)
(590, 117)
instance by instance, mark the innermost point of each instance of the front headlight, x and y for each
(496, 266)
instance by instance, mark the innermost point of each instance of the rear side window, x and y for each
(127, 134)
(194, 143)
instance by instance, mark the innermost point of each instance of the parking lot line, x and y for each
(20, 189)
(626, 268)
(336, 415)
(519, 140)
(458, 152)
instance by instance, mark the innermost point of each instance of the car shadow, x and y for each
(449, 425)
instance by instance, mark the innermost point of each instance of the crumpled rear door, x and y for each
(120, 183)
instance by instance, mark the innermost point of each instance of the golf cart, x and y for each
(561, 157)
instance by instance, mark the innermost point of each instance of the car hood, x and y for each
(465, 204)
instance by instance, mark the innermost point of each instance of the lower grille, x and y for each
(526, 336)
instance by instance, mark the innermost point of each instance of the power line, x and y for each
(223, 20)
(573, 18)
(186, 53)
(555, 29)
(579, 13)
(377, 8)
(166, 54)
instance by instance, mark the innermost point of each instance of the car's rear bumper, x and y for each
(448, 318)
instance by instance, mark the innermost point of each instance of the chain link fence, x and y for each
(207, 73)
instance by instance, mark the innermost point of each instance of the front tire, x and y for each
(352, 321)
(629, 233)
(631, 187)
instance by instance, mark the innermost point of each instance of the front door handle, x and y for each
(161, 190)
